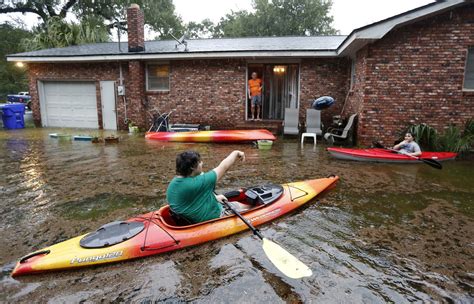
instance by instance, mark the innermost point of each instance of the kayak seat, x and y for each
(236, 195)
(232, 194)
(179, 220)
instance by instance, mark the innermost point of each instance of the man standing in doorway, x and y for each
(255, 95)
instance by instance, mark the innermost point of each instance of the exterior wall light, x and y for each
(279, 69)
(20, 64)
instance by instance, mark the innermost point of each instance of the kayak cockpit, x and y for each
(251, 199)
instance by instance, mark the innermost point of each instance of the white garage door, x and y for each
(69, 104)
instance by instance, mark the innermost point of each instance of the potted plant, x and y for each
(132, 128)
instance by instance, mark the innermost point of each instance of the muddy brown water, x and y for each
(386, 233)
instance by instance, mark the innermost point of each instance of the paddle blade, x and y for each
(288, 264)
(433, 163)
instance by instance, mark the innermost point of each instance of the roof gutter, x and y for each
(207, 55)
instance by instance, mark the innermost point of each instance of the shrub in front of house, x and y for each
(451, 140)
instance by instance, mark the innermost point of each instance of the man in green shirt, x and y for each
(191, 192)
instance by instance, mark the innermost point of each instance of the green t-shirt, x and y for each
(193, 197)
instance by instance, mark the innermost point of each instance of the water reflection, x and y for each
(17, 148)
(387, 233)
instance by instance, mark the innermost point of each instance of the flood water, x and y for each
(386, 233)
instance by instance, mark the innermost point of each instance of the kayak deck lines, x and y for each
(162, 233)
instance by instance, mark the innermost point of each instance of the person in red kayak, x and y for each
(190, 193)
(408, 146)
(255, 96)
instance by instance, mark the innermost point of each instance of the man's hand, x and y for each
(399, 145)
(221, 198)
(240, 155)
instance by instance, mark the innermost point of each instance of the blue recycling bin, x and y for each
(13, 116)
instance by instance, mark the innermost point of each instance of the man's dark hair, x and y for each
(186, 161)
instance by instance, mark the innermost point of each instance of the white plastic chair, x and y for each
(291, 122)
(313, 122)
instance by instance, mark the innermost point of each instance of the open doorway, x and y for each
(280, 89)
(255, 68)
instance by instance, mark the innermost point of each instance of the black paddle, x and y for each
(431, 162)
(288, 264)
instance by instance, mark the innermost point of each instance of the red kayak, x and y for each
(160, 231)
(386, 156)
(219, 136)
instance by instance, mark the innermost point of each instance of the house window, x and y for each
(158, 77)
(469, 73)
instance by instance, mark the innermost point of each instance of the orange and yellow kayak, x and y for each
(222, 136)
(160, 231)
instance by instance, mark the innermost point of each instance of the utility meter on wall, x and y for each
(120, 90)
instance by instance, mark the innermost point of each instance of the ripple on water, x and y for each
(386, 233)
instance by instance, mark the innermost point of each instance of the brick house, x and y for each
(411, 68)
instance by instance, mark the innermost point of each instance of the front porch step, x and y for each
(274, 126)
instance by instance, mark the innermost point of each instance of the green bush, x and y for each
(425, 135)
(469, 128)
(452, 140)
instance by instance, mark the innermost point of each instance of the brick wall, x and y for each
(320, 77)
(209, 92)
(355, 98)
(212, 92)
(415, 75)
(135, 93)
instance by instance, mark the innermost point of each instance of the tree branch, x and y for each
(51, 11)
(66, 8)
(23, 10)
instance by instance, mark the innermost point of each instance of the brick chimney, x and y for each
(136, 30)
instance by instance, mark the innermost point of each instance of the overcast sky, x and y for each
(348, 14)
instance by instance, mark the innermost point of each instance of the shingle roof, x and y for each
(245, 47)
(260, 44)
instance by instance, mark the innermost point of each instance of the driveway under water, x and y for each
(386, 233)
